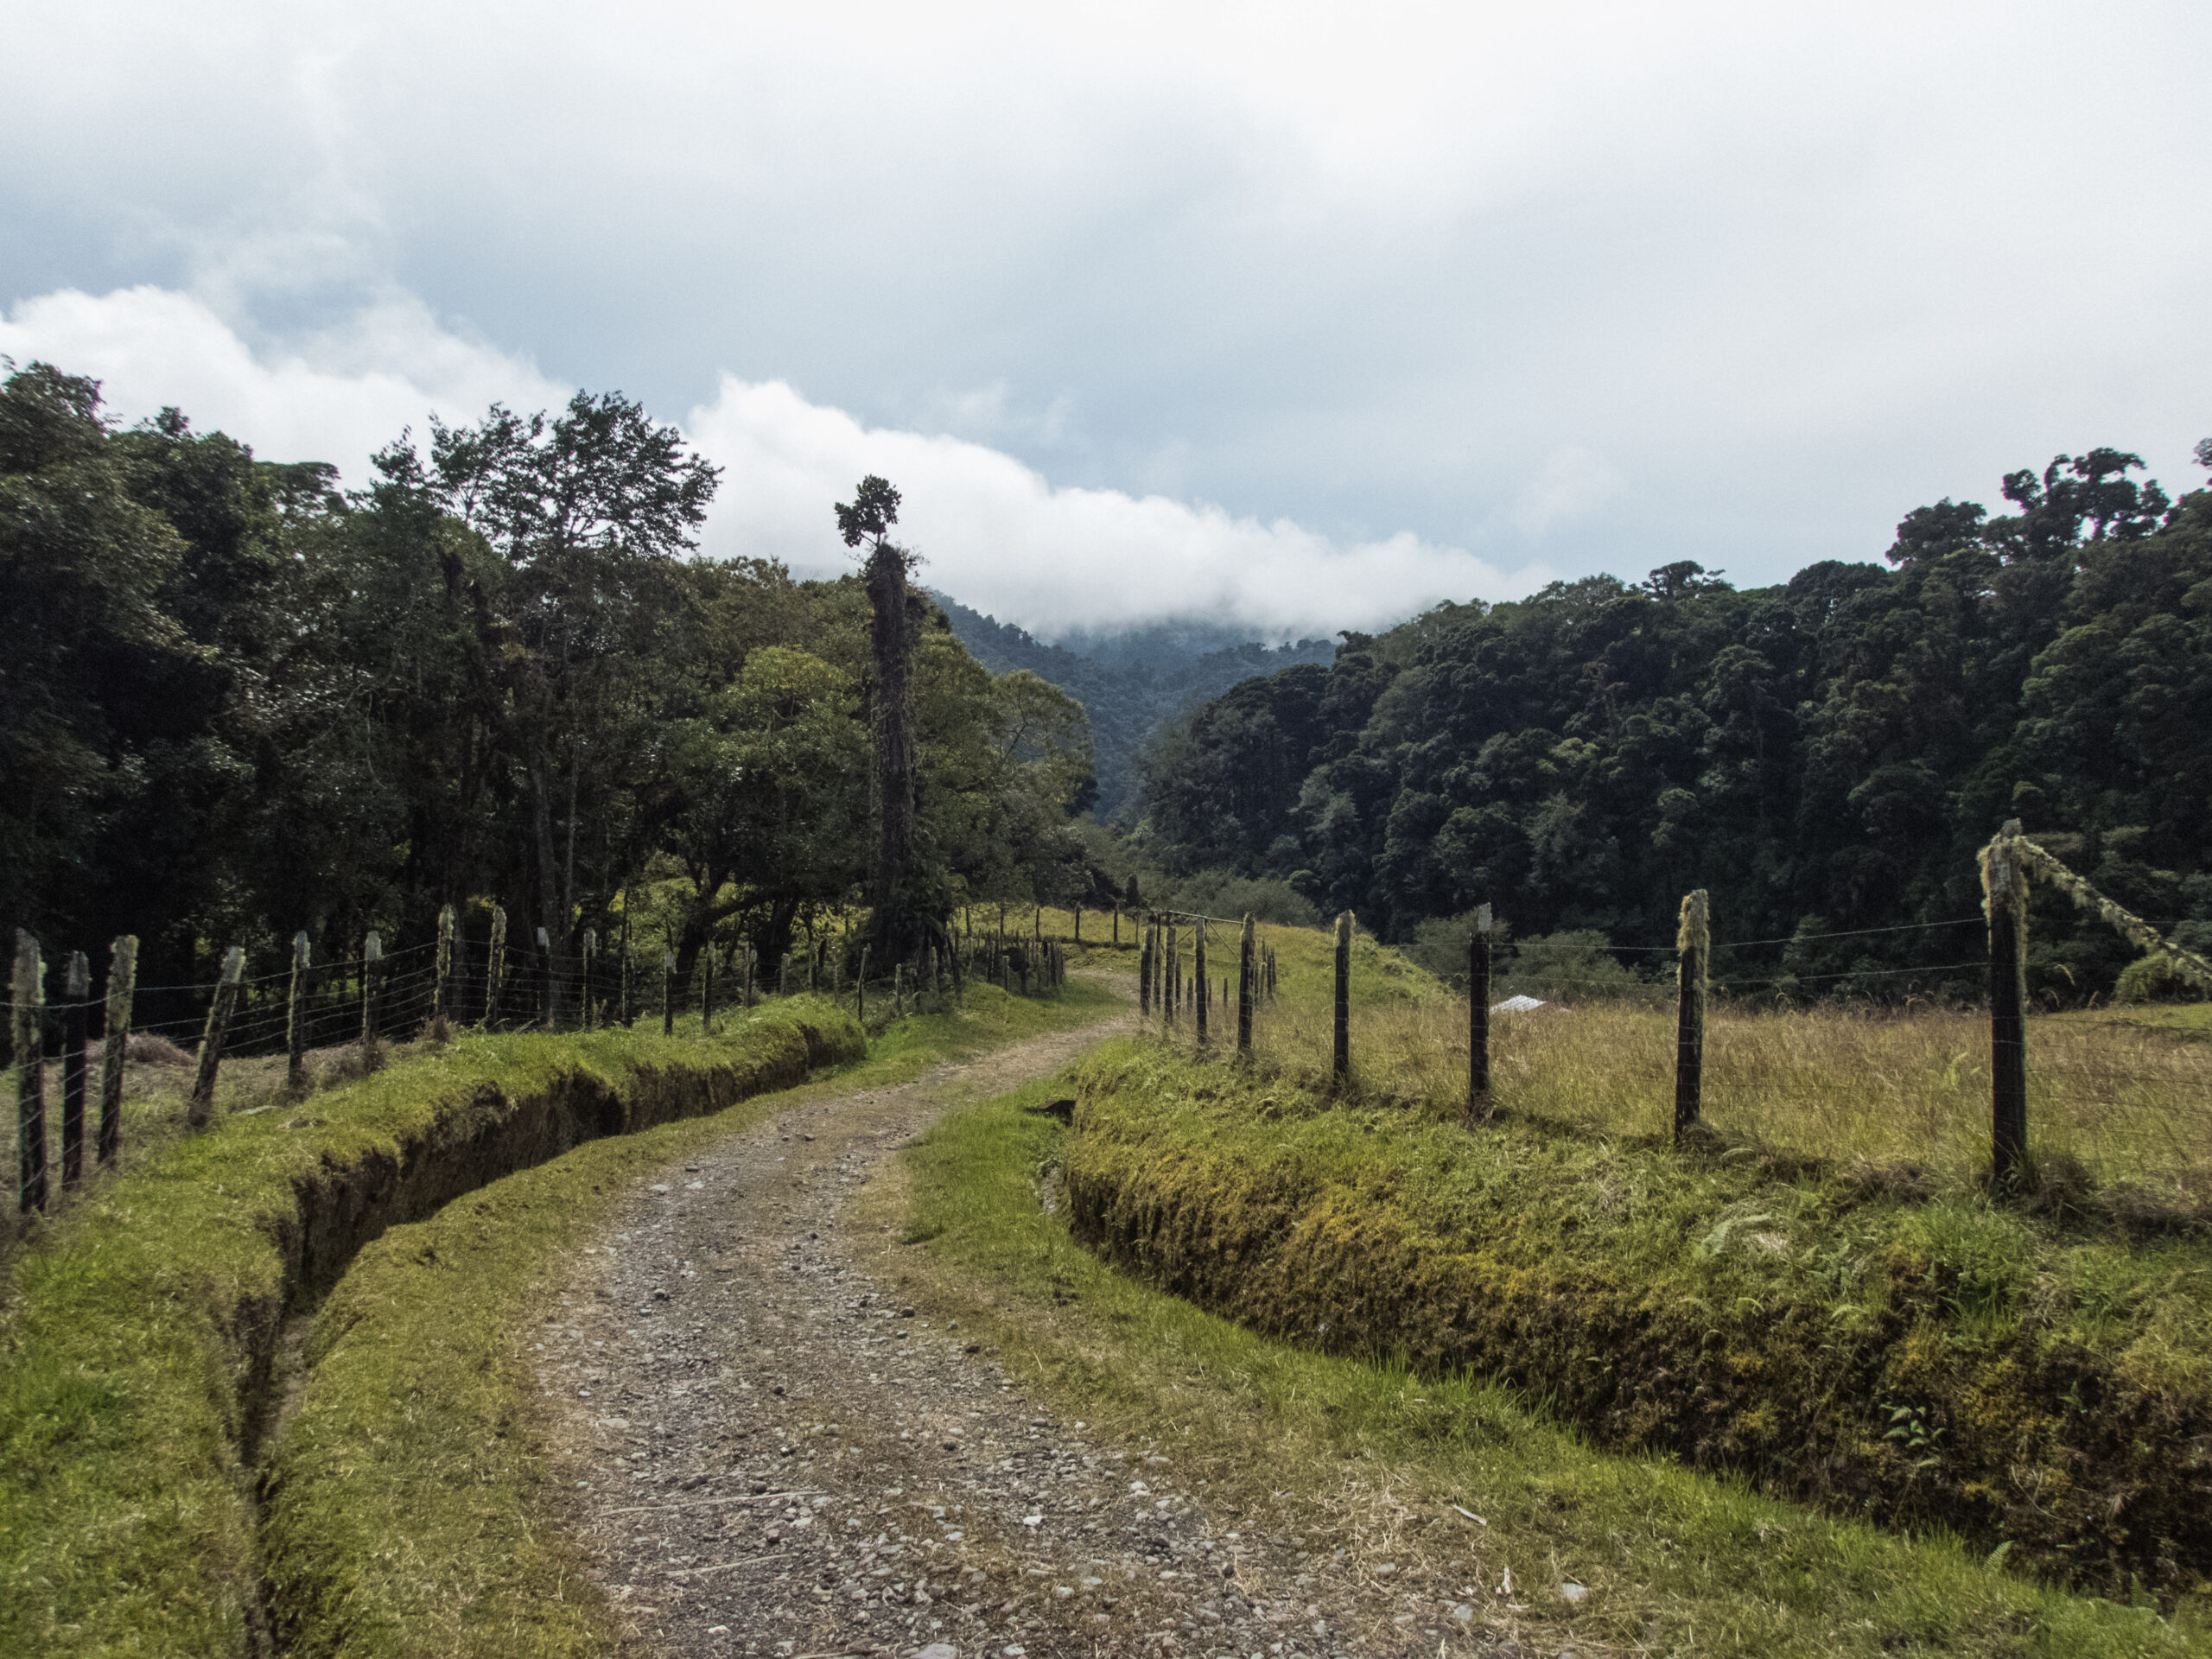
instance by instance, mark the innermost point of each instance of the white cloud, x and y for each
(996, 534)
(1571, 483)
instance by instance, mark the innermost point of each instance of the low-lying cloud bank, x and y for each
(995, 532)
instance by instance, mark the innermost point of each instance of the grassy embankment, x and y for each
(407, 1497)
(140, 1332)
(1630, 1291)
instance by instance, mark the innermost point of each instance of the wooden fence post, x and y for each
(897, 990)
(860, 991)
(1694, 942)
(545, 985)
(211, 1043)
(668, 992)
(1144, 973)
(1341, 1062)
(115, 1041)
(707, 992)
(495, 967)
(31, 1074)
(1078, 924)
(1198, 972)
(591, 961)
(442, 1005)
(78, 981)
(1247, 968)
(1478, 1013)
(371, 972)
(629, 1014)
(2005, 887)
(296, 1014)
(1117, 927)
(1168, 998)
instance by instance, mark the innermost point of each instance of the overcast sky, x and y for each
(1305, 315)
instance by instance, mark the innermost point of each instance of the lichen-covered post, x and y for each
(1247, 968)
(372, 973)
(442, 1003)
(495, 967)
(545, 1004)
(668, 992)
(1478, 1013)
(2005, 894)
(1340, 1063)
(79, 994)
(1695, 941)
(210, 1042)
(115, 1041)
(29, 999)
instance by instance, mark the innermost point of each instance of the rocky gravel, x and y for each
(765, 1454)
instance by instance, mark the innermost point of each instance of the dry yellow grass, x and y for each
(2127, 1095)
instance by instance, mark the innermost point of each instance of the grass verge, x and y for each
(139, 1341)
(406, 1493)
(1379, 1459)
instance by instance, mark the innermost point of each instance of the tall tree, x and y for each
(904, 917)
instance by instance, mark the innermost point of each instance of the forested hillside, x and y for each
(1131, 683)
(1825, 755)
(236, 701)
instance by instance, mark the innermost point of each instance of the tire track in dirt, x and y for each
(764, 1453)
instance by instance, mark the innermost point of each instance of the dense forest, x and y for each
(1825, 756)
(1131, 683)
(237, 701)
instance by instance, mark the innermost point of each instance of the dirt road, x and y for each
(768, 1455)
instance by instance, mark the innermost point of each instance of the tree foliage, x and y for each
(1824, 755)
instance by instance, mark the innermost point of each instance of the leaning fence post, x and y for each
(31, 1074)
(1341, 1064)
(295, 1013)
(1478, 1012)
(80, 992)
(2005, 888)
(1694, 942)
(115, 1041)
(668, 992)
(372, 972)
(495, 970)
(1247, 967)
(211, 1043)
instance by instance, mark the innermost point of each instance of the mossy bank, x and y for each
(2041, 1387)
(141, 1334)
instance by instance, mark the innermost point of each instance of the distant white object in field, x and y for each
(1517, 1005)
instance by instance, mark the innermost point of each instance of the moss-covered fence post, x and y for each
(115, 1041)
(1247, 969)
(1695, 941)
(668, 992)
(76, 997)
(442, 1003)
(1340, 1064)
(2005, 890)
(210, 1042)
(1478, 1013)
(1198, 971)
(495, 968)
(371, 977)
(29, 990)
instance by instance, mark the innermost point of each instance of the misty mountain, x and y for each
(1130, 682)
